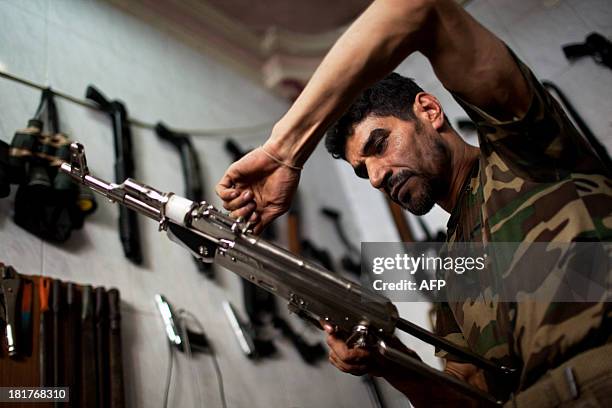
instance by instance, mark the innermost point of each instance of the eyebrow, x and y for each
(373, 137)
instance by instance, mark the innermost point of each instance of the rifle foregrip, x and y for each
(130, 235)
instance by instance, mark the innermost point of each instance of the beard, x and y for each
(422, 200)
(427, 186)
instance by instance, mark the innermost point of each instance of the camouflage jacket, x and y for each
(536, 180)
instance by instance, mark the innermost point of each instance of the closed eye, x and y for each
(381, 145)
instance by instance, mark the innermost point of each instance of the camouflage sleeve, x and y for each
(446, 327)
(543, 145)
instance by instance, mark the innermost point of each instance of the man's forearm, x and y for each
(386, 33)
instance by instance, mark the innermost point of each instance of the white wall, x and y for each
(70, 44)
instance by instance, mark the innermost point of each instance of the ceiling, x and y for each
(310, 17)
(278, 43)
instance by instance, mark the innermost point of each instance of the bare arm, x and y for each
(468, 59)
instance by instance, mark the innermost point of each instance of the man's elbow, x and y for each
(416, 17)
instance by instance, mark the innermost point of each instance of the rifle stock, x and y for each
(117, 394)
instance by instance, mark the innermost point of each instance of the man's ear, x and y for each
(427, 108)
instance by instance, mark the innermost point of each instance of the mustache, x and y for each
(397, 178)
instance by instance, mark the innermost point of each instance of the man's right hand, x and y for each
(257, 188)
(360, 361)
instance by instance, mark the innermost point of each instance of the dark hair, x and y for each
(392, 96)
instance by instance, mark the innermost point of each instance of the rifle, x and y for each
(351, 261)
(595, 45)
(313, 293)
(192, 175)
(124, 168)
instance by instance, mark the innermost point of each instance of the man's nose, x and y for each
(378, 176)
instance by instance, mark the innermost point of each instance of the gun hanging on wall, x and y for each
(312, 292)
(124, 168)
(192, 175)
(351, 260)
(303, 246)
(47, 204)
(595, 45)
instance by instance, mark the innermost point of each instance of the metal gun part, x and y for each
(244, 338)
(11, 285)
(168, 318)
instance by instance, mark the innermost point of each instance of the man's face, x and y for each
(409, 161)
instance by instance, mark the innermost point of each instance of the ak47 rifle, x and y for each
(312, 292)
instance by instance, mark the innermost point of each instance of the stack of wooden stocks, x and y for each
(64, 335)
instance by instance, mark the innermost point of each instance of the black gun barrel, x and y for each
(124, 169)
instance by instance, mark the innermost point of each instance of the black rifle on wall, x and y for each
(192, 174)
(595, 45)
(351, 261)
(124, 168)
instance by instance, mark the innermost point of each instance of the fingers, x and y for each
(351, 356)
(355, 369)
(255, 218)
(226, 183)
(353, 361)
(348, 355)
(245, 212)
(227, 194)
(234, 200)
(265, 218)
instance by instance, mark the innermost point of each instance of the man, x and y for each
(533, 179)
